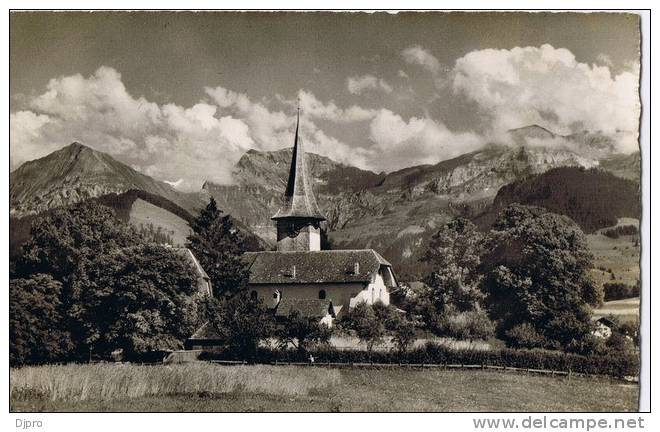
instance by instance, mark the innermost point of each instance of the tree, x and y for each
(454, 256)
(37, 331)
(302, 332)
(69, 237)
(364, 322)
(218, 246)
(116, 290)
(536, 266)
(139, 299)
(469, 325)
(453, 284)
(241, 322)
(403, 334)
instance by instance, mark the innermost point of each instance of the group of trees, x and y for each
(86, 284)
(526, 280)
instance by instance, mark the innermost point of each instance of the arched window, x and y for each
(322, 294)
(253, 295)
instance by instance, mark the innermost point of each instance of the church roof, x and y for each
(308, 308)
(299, 200)
(328, 266)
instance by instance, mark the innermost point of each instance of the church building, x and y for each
(299, 275)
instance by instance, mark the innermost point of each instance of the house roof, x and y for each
(205, 332)
(190, 257)
(308, 308)
(326, 266)
(299, 200)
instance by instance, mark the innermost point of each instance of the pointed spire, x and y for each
(299, 200)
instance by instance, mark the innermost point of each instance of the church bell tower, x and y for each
(299, 219)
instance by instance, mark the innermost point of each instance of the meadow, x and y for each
(208, 387)
(627, 310)
(615, 258)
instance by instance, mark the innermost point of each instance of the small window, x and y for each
(322, 294)
(253, 295)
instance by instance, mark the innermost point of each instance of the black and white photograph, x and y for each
(327, 211)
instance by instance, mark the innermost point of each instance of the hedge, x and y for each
(618, 365)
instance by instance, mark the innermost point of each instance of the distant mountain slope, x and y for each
(395, 213)
(591, 197)
(139, 208)
(76, 173)
(625, 166)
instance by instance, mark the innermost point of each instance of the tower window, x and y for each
(253, 295)
(322, 294)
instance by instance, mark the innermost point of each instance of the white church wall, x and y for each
(342, 294)
(378, 290)
(314, 240)
(339, 293)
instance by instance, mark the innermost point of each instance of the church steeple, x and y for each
(298, 220)
(299, 200)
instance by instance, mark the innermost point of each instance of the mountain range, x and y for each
(394, 213)
(77, 173)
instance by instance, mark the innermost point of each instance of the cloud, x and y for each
(315, 108)
(605, 59)
(422, 57)
(174, 184)
(192, 144)
(358, 84)
(548, 86)
(416, 141)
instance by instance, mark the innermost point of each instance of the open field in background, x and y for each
(353, 343)
(619, 255)
(625, 310)
(145, 213)
(208, 387)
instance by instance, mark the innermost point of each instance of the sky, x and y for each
(182, 96)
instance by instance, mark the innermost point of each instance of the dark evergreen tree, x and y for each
(219, 246)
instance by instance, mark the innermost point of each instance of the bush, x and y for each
(470, 325)
(364, 320)
(524, 336)
(621, 231)
(619, 291)
(621, 365)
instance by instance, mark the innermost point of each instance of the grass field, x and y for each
(144, 213)
(625, 310)
(208, 387)
(619, 255)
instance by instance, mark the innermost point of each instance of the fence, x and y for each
(569, 373)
